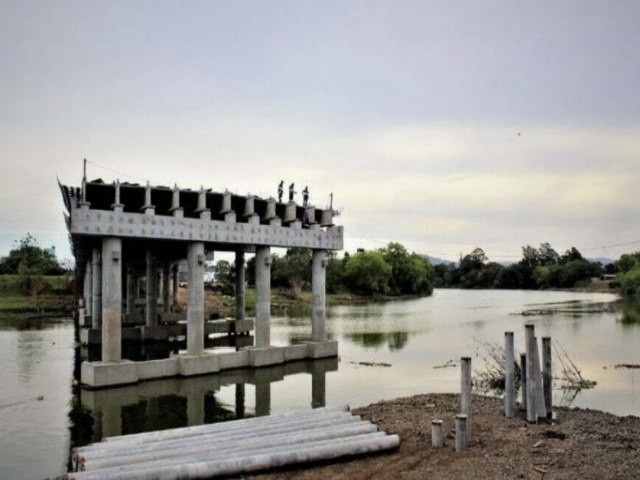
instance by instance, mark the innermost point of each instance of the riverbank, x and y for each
(43, 296)
(582, 444)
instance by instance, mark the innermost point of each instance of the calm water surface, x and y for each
(410, 337)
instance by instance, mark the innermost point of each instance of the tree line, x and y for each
(539, 268)
(391, 270)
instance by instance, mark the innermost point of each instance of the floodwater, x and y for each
(387, 350)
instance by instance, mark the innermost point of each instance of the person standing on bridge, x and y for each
(291, 191)
(280, 190)
(305, 196)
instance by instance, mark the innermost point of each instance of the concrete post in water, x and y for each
(437, 437)
(318, 282)
(318, 388)
(523, 381)
(151, 298)
(263, 296)
(96, 282)
(195, 302)
(465, 392)
(240, 400)
(263, 398)
(461, 432)
(131, 288)
(240, 291)
(166, 296)
(509, 376)
(547, 376)
(175, 286)
(111, 299)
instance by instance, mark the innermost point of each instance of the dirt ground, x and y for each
(581, 444)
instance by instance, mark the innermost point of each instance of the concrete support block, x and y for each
(249, 207)
(230, 217)
(163, 368)
(318, 289)
(111, 299)
(275, 222)
(462, 436)
(253, 220)
(270, 211)
(289, 213)
(437, 436)
(465, 393)
(296, 352)
(108, 374)
(295, 225)
(326, 219)
(189, 365)
(195, 303)
(260, 357)
(509, 369)
(263, 297)
(226, 203)
(231, 360)
(322, 349)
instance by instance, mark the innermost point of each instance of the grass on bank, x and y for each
(54, 294)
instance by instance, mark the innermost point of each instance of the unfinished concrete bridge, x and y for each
(122, 232)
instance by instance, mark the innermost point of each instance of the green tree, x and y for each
(29, 257)
(225, 276)
(367, 273)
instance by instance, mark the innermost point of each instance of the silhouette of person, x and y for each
(280, 190)
(291, 192)
(305, 196)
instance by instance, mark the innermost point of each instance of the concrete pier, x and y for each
(318, 286)
(240, 289)
(111, 299)
(195, 302)
(155, 229)
(263, 297)
(96, 293)
(509, 376)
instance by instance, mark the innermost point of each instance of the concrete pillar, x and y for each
(318, 282)
(195, 302)
(88, 299)
(465, 392)
(151, 310)
(547, 376)
(166, 297)
(132, 285)
(175, 285)
(111, 299)
(437, 437)
(240, 291)
(462, 435)
(509, 376)
(523, 381)
(96, 282)
(263, 297)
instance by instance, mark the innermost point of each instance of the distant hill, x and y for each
(602, 260)
(437, 261)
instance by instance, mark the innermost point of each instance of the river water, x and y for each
(387, 350)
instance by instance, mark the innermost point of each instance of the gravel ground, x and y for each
(581, 444)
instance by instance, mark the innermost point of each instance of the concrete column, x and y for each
(96, 282)
(132, 285)
(509, 376)
(166, 297)
(437, 437)
(88, 300)
(465, 392)
(523, 381)
(318, 282)
(111, 299)
(195, 302)
(151, 310)
(462, 435)
(240, 292)
(263, 297)
(175, 285)
(547, 376)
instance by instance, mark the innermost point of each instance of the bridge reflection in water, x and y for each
(180, 402)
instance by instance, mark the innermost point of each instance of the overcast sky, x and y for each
(444, 125)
